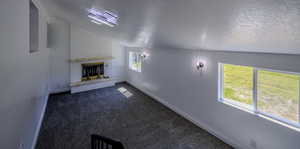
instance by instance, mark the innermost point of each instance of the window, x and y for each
(33, 28)
(238, 84)
(135, 62)
(271, 93)
(278, 94)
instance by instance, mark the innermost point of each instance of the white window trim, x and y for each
(253, 109)
(139, 53)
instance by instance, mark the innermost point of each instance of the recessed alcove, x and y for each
(33, 28)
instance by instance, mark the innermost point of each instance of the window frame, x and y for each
(253, 108)
(138, 53)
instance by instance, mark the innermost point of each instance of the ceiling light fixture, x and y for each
(105, 17)
(144, 55)
(96, 22)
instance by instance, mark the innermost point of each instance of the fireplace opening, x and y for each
(92, 71)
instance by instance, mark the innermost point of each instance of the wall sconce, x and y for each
(200, 65)
(144, 55)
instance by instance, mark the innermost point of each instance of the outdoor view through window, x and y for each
(277, 93)
(135, 62)
(238, 83)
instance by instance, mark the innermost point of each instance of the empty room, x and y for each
(150, 74)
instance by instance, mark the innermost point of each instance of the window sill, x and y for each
(250, 110)
(237, 105)
(135, 70)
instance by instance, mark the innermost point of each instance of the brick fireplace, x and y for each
(91, 73)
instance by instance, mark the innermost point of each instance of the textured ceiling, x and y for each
(271, 26)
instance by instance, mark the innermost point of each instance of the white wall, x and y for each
(71, 41)
(23, 76)
(118, 63)
(86, 44)
(59, 37)
(170, 76)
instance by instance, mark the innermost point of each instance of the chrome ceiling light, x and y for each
(105, 17)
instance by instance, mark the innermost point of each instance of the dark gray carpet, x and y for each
(139, 122)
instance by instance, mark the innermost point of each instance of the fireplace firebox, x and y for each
(92, 71)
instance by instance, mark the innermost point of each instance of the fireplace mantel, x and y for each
(87, 59)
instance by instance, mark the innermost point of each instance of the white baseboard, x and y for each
(37, 130)
(191, 119)
(60, 90)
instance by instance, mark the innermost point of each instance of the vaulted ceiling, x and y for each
(234, 25)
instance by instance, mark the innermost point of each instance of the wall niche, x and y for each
(33, 28)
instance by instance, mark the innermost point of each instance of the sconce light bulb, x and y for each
(144, 55)
(200, 65)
